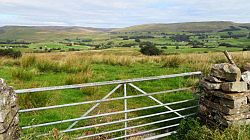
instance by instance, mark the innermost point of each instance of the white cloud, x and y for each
(117, 13)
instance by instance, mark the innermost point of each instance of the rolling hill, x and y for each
(210, 26)
(56, 33)
(45, 33)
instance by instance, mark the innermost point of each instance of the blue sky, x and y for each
(120, 13)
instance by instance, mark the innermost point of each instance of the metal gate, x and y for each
(151, 129)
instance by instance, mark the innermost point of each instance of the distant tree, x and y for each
(110, 44)
(246, 48)
(137, 40)
(127, 44)
(149, 48)
(66, 39)
(202, 36)
(177, 47)
(125, 38)
(226, 44)
(73, 49)
(248, 36)
(180, 37)
(97, 46)
(86, 40)
(104, 45)
(230, 34)
(196, 44)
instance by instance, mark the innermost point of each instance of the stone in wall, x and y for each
(217, 107)
(227, 72)
(246, 78)
(234, 86)
(210, 86)
(213, 79)
(237, 103)
(226, 95)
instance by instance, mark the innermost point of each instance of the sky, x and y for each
(120, 13)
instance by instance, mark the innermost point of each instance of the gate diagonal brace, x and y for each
(153, 98)
(95, 106)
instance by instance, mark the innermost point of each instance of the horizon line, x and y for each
(23, 25)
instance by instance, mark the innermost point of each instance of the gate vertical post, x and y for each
(125, 109)
(8, 112)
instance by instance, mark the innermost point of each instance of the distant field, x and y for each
(57, 45)
(238, 42)
(186, 49)
(194, 37)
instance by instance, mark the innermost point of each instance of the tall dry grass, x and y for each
(77, 62)
(4, 61)
(55, 63)
(23, 74)
(78, 78)
(28, 61)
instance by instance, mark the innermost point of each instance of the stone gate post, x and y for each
(225, 99)
(8, 112)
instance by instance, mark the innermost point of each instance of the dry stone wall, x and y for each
(8, 112)
(225, 96)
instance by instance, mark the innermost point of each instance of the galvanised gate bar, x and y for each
(120, 83)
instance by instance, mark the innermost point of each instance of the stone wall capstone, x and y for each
(225, 96)
(8, 112)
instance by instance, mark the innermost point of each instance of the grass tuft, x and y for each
(48, 66)
(22, 74)
(173, 62)
(28, 61)
(9, 62)
(78, 78)
(31, 100)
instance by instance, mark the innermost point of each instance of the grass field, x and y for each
(60, 68)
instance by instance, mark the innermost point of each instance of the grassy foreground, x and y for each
(191, 129)
(51, 69)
